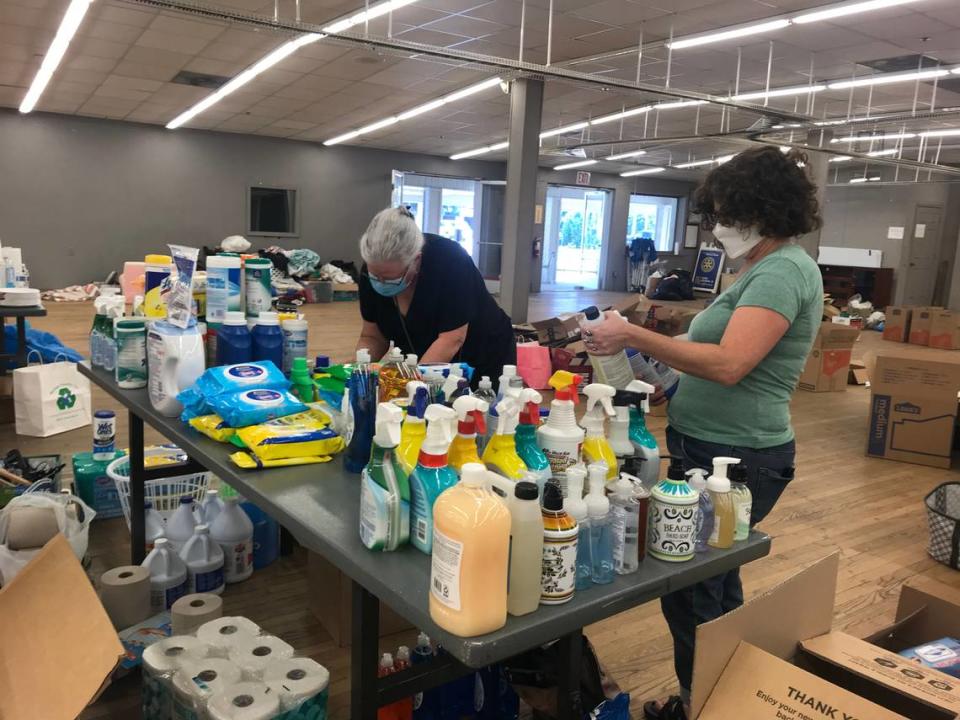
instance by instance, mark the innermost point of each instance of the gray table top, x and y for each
(319, 505)
(11, 311)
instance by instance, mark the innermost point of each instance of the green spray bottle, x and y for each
(384, 486)
(644, 444)
(526, 438)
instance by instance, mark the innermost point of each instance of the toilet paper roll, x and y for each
(30, 527)
(196, 681)
(297, 680)
(160, 661)
(192, 611)
(125, 594)
(223, 634)
(244, 701)
(255, 654)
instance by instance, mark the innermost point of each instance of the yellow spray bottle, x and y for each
(500, 455)
(596, 447)
(471, 419)
(414, 428)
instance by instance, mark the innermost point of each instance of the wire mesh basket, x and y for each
(943, 517)
(163, 493)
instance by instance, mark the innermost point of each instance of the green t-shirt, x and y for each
(755, 413)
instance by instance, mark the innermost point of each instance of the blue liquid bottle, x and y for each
(268, 339)
(575, 506)
(362, 413)
(601, 538)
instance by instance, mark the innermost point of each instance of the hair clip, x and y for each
(405, 211)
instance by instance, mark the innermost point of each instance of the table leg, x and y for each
(365, 635)
(138, 536)
(570, 653)
(21, 341)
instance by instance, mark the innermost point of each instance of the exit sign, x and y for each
(583, 177)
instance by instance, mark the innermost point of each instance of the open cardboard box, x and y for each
(666, 317)
(557, 330)
(828, 364)
(896, 323)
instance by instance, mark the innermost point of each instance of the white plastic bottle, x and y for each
(154, 527)
(485, 392)
(526, 549)
(625, 526)
(560, 437)
(613, 369)
(175, 359)
(181, 524)
(233, 532)
(211, 507)
(619, 433)
(509, 371)
(204, 561)
(168, 575)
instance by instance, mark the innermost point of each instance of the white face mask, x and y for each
(736, 243)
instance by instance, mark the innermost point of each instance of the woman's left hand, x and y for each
(609, 336)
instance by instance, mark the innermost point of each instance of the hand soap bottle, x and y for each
(414, 428)
(596, 448)
(625, 526)
(743, 500)
(673, 517)
(431, 476)
(697, 479)
(385, 487)
(724, 510)
(637, 399)
(526, 437)
(558, 576)
(576, 507)
(471, 414)
(560, 438)
(598, 510)
(471, 551)
(501, 453)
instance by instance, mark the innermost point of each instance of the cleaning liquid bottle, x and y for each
(385, 668)
(636, 396)
(724, 509)
(181, 524)
(743, 500)
(471, 414)
(526, 437)
(452, 387)
(431, 476)
(613, 369)
(625, 526)
(471, 553)
(697, 479)
(673, 516)
(500, 455)
(359, 408)
(385, 487)
(232, 530)
(598, 510)
(576, 507)
(509, 371)
(204, 560)
(485, 392)
(168, 575)
(526, 549)
(596, 448)
(414, 428)
(210, 507)
(154, 527)
(413, 366)
(559, 570)
(560, 438)
(393, 376)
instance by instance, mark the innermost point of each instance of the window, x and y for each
(444, 206)
(273, 211)
(654, 217)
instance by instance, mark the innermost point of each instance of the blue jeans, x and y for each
(769, 470)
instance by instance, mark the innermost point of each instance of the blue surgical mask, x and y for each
(388, 289)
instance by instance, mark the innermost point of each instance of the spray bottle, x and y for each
(527, 447)
(673, 516)
(384, 486)
(501, 453)
(625, 526)
(724, 508)
(414, 428)
(509, 371)
(576, 507)
(613, 369)
(560, 438)
(634, 400)
(598, 510)
(359, 408)
(596, 448)
(471, 414)
(431, 476)
(697, 479)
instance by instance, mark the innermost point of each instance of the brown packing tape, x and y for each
(191, 611)
(125, 594)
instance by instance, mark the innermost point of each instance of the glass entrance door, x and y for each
(576, 229)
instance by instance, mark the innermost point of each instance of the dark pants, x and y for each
(769, 470)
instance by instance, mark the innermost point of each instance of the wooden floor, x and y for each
(870, 510)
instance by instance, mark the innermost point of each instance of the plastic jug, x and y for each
(613, 370)
(210, 507)
(175, 359)
(181, 524)
(154, 527)
(526, 549)
(268, 339)
(234, 342)
(168, 575)
(266, 535)
(204, 560)
(233, 532)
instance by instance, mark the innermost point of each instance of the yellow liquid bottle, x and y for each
(724, 504)
(393, 376)
(471, 419)
(596, 447)
(500, 455)
(414, 428)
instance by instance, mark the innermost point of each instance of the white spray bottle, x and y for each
(560, 438)
(634, 402)
(596, 447)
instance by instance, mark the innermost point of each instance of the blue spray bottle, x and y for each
(360, 410)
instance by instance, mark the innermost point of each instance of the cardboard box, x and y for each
(59, 645)
(896, 325)
(913, 410)
(828, 364)
(945, 330)
(858, 373)
(557, 330)
(332, 605)
(921, 319)
(664, 316)
(626, 304)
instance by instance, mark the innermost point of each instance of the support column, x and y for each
(526, 105)
(818, 168)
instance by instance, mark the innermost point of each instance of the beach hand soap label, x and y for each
(673, 521)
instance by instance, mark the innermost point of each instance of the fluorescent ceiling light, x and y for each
(570, 166)
(842, 9)
(840, 158)
(730, 34)
(780, 92)
(678, 104)
(725, 159)
(941, 133)
(881, 153)
(621, 156)
(645, 171)
(565, 129)
(366, 15)
(620, 115)
(68, 28)
(888, 78)
(480, 151)
(872, 178)
(499, 146)
(472, 89)
(693, 164)
(871, 138)
(421, 109)
(342, 138)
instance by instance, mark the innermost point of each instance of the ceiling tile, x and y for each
(116, 32)
(172, 42)
(178, 25)
(163, 73)
(125, 15)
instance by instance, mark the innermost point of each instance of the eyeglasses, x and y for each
(392, 281)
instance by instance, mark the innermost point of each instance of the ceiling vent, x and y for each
(202, 80)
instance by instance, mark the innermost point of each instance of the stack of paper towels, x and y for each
(231, 670)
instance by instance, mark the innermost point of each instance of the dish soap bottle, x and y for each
(743, 501)
(625, 526)
(471, 552)
(724, 510)
(359, 409)
(560, 438)
(644, 444)
(471, 414)
(501, 452)
(596, 448)
(527, 447)
(414, 428)
(673, 516)
(393, 376)
(431, 476)
(559, 569)
(614, 370)
(598, 511)
(576, 507)
(526, 549)
(697, 479)
(384, 487)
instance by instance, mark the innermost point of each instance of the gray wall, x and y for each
(80, 196)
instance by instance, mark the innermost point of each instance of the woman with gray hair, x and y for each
(424, 293)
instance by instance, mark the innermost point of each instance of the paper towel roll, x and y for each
(192, 611)
(222, 634)
(30, 527)
(255, 654)
(296, 680)
(160, 661)
(125, 594)
(244, 701)
(196, 681)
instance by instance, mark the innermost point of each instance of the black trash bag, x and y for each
(677, 285)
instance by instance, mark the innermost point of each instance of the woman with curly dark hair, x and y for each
(742, 362)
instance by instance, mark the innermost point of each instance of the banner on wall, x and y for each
(706, 275)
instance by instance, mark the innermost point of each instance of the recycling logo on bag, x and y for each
(65, 398)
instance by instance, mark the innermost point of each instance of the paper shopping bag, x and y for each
(50, 398)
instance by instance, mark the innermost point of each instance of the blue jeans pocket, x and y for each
(766, 488)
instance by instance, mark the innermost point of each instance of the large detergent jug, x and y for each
(560, 438)
(176, 358)
(431, 476)
(471, 423)
(596, 447)
(168, 575)
(204, 560)
(233, 531)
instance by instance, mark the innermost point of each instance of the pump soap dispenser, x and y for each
(596, 448)
(724, 508)
(673, 516)
(431, 476)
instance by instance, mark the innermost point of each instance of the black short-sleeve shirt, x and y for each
(450, 293)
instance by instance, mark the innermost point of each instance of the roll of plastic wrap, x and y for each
(301, 684)
(196, 681)
(244, 701)
(223, 634)
(255, 655)
(125, 594)
(192, 611)
(160, 661)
